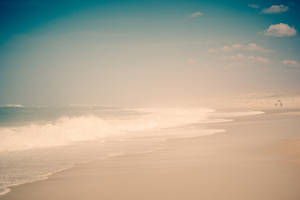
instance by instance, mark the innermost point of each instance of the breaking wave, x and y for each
(69, 130)
(12, 106)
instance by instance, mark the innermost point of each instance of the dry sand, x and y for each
(253, 160)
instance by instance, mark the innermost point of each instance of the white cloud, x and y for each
(196, 14)
(239, 57)
(255, 47)
(253, 5)
(275, 9)
(293, 63)
(225, 48)
(280, 30)
(230, 48)
(236, 47)
(258, 59)
(234, 57)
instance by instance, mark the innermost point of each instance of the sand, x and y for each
(257, 158)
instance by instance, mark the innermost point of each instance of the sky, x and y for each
(63, 52)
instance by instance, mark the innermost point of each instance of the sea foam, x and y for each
(33, 151)
(69, 130)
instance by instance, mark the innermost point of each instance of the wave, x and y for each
(7, 186)
(12, 106)
(4, 190)
(62, 132)
(155, 124)
(69, 130)
(238, 114)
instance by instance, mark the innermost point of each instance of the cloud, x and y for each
(237, 47)
(225, 48)
(293, 63)
(255, 47)
(280, 30)
(195, 14)
(234, 57)
(253, 6)
(233, 47)
(239, 57)
(275, 9)
(258, 59)
(229, 48)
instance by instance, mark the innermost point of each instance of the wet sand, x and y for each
(256, 158)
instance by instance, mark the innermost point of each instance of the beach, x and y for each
(258, 157)
(149, 100)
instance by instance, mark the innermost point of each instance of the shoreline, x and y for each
(232, 132)
(44, 177)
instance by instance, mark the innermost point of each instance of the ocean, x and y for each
(38, 141)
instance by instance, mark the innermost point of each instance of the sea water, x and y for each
(38, 141)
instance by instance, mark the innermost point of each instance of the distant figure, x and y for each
(280, 103)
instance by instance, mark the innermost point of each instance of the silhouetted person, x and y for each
(280, 103)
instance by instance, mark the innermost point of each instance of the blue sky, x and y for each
(127, 52)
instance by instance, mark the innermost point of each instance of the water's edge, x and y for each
(8, 188)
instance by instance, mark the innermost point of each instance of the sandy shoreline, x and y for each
(257, 158)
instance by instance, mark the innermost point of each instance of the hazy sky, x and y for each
(146, 52)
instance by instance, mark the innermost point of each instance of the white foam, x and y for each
(7, 188)
(68, 130)
(237, 114)
(12, 106)
(4, 191)
(64, 131)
